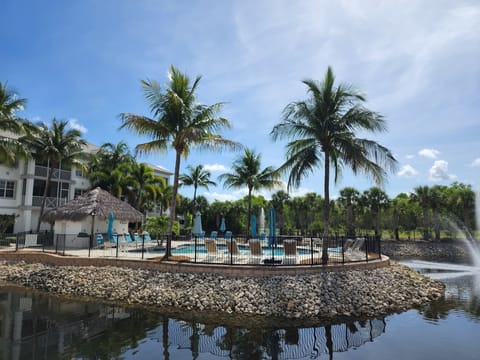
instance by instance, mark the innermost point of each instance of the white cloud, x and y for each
(215, 167)
(73, 123)
(475, 163)
(439, 171)
(409, 156)
(407, 171)
(230, 196)
(429, 153)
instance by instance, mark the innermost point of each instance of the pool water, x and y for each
(189, 249)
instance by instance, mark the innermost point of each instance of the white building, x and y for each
(22, 187)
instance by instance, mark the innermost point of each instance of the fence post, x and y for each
(143, 245)
(311, 250)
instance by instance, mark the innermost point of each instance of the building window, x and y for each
(7, 189)
(79, 192)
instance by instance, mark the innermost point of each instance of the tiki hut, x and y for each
(89, 214)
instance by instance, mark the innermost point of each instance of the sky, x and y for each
(417, 62)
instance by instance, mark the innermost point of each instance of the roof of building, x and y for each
(98, 202)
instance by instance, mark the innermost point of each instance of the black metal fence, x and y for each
(229, 250)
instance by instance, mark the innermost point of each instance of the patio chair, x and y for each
(233, 251)
(354, 252)
(256, 253)
(138, 240)
(213, 235)
(128, 239)
(228, 235)
(290, 247)
(262, 237)
(100, 241)
(212, 251)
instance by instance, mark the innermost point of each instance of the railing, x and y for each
(282, 251)
(42, 240)
(57, 173)
(51, 202)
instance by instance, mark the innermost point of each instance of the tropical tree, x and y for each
(247, 172)
(197, 177)
(56, 145)
(422, 196)
(144, 186)
(11, 148)
(323, 127)
(375, 199)
(349, 197)
(279, 201)
(179, 121)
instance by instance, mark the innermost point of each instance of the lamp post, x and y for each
(93, 213)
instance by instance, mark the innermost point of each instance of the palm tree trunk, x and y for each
(326, 212)
(248, 211)
(173, 205)
(45, 193)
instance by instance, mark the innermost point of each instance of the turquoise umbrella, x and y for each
(272, 226)
(223, 227)
(111, 219)
(254, 226)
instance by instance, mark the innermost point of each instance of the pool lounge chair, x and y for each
(213, 235)
(290, 247)
(234, 255)
(100, 241)
(228, 235)
(355, 252)
(212, 251)
(256, 253)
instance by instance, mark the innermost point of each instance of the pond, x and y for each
(34, 325)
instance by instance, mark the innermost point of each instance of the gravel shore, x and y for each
(328, 295)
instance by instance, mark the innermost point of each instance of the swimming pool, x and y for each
(188, 249)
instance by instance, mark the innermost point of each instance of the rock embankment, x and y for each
(330, 294)
(426, 250)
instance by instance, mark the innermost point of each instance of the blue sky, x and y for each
(416, 61)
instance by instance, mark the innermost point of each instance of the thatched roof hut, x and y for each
(98, 202)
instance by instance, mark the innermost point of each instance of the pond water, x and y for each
(34, 326)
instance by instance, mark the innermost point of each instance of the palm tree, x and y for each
(375, 199)
(422, 196)
(349, 197)
(10, 148)
(179, 121)
(197, 176)
(247, 172)
(144, 186)
(323, 127)
(56, 146)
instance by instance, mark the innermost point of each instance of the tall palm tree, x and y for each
(56, 145)
(423, 197)
(144, 186)
(323, 127)
(349, 197)
(375, 199)
(11, 148)
(247, 172)
(180, 122)
(198, 177)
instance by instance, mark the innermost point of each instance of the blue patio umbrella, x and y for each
(223, 227)
(197, 224)
(254, 226)
(272, 226)
(111, 219)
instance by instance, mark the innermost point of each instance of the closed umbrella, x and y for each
(261, 221)
(254, 226)
(272, 234)
(223, 227)
(111, 219)
(197, 224)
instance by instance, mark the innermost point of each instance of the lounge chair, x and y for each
(128, 239)
(213, 235)
(138, 240)
(290, 247)
(100, 241)
(262, 237)
(354, 252)
(213, 254)
(228, 235)
(233, 251)
(256, 253)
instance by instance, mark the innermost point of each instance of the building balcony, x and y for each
(42, 171)
(52, 202)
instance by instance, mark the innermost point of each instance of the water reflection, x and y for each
(33, 325)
